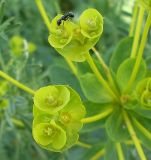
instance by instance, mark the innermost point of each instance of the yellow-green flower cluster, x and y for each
(74, 38)
(57, 111)
(20, 45)
(144, 93)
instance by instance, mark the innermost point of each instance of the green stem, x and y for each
(134, 137)
(48, 24)
(98, 116)
(137, 32)
(105, 67)
(119, 151)
(99, 76)
(132, 26)
(18, 122)
(129, 142)
(57, 7)
(140, 52)
(16, 83)
(85, 145)
(98, 155)
(106, 70)
(142, 128)
(72, 67)
(43, 13)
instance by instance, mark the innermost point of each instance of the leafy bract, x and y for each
(122, 52)
(51, 98)
(143, 92)
(68, 116)
(93, 89)
(125, 71)
(91, 23)
(49, 134)
(111, 152)
(116, 128)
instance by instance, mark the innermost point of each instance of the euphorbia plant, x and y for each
(58, 111)
(122, 90)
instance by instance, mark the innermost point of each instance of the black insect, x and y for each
(65, 17)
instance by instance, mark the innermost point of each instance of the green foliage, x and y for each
(111, 151)
(125, 71)
(116, 130)
(92, 89)
(142, 136)
(58, 110)
(122, 52)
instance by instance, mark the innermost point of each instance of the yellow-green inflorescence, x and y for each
(74, 38)
(20, 45)
(144, 93)
(57, 111)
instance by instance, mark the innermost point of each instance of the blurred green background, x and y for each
(45, 66)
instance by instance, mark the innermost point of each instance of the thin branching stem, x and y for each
(140, 53)
(97, 116)
(16, 83)
(106, 70)
(84, 145)
(47, 22)
(146, 132)
(134, 17)
(133, 136)
(72, 67)
(103, 64)
(99, 76)
(119, 151)
(43, 13)
(137, 32)
(98, 155)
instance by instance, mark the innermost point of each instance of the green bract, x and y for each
(144, 92)
(51, 98)
(49, 135)
(66, 115)
(73, 51)
(146, 99)
(70, 116)
(91, 23)
(61, 35)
